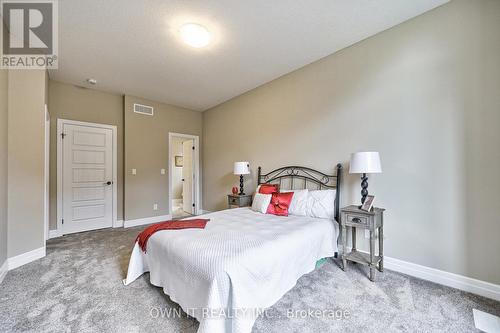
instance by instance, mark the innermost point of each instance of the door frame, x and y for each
(46, 185)
(196, 170)
(60, 124)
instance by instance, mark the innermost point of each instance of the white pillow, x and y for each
(298, 206)
(321, 204)
(261, 202)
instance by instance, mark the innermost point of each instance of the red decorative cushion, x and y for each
(269, 188)
(280, 203)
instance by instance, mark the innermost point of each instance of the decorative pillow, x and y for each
(280, 203)
(261, 202)
(268, 188)
(298, 206)
(321, 204)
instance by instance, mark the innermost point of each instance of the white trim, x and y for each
(464, 283)
(59, 175)
(25, 258)
(460, 282)
(54, 234)
(60, 124)
(3, 270)
(118, 224)
(46, 198)
(115, 175)
(196, 165)
(146, 220)
(204, 211)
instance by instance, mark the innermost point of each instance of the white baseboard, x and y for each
(25, 258)
(54, 234)
(3, 270)
(460, 282)
(464, 283)
(118, 224)
(146, 220)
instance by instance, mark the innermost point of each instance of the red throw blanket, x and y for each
(143, 237)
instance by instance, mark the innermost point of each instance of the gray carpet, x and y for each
(78, 287)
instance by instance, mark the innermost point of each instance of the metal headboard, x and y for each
(305, 176)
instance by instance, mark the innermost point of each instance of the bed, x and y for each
(243, 261)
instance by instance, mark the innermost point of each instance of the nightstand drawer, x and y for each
(356, 219)
(244, 200)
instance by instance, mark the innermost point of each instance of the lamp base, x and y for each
(241, 186)
(364, 188)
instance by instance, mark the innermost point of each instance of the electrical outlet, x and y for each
(134, 171)
(155, 207)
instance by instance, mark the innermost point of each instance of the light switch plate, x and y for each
(134, 171)
(162, 171)
(155, 207)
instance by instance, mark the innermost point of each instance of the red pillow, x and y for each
(280, 203)
(269, 188)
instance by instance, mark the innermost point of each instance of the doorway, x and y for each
(86, 176)
(183, 175)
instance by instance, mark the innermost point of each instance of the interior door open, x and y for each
(187, 177)
(87, 167)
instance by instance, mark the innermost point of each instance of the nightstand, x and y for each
(237, 200)
(352, 216)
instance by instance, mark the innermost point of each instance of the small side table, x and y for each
(352, 216)
(237, 200)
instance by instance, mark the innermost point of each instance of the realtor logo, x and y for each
(29, 34)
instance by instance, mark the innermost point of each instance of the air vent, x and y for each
(143, 109)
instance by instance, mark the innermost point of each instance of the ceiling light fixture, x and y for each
(92, 81)
(195, 35)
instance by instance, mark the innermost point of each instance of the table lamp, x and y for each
(241, 168)
(365, 162)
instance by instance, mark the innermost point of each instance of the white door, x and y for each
(87, 178)
(187, 176)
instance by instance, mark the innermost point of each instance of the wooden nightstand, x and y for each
(244, 200)
(352, 216)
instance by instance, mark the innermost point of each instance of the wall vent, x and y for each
(143, 109)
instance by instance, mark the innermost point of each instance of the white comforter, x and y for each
(241, 261)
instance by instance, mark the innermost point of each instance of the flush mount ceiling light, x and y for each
(92, 81)
(195, 35)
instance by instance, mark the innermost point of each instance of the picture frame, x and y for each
(178, 161)
(367, 206)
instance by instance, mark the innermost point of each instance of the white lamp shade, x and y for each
(241, 168)
(365, 162)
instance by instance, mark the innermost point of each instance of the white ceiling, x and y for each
(132, 46)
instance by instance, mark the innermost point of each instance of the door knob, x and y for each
(108, 183)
